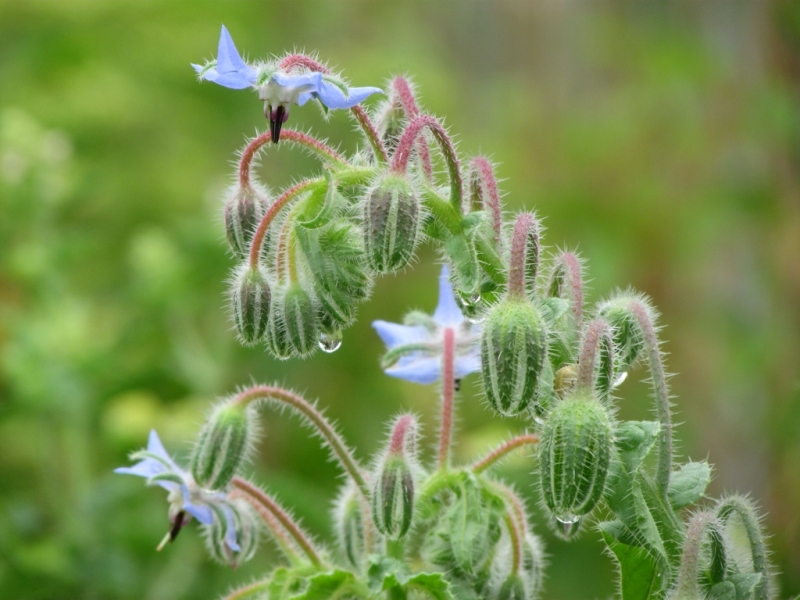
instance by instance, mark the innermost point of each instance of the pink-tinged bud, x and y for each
(391, 216)
(393, 493)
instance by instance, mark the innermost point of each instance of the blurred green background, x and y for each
(659, 138)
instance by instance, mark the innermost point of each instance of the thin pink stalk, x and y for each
(524, 259)
(405, 94)
(245, 591)
(567, 272)
(254, 495)
(404, 427)
(274, 527)
(288, 135)
(266, 220)
(448, 397)
(516, 543)
(406, 143)
(597, 333)
(490, 196)
(315, 418)
(504, 450)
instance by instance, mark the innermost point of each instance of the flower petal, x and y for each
(394, 334)
(333, 97)
(230, 71)
(145, 468)
(201, 512)
(464, 365)
(447, 312)
(419, 369)
(230, 531)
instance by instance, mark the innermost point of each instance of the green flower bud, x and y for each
(532, 564)
(222, 446)
(627, 334)
(236, 513)
(243, 211)
(393, 492)
(513, 588)
(349, 516)
(250, 302)
(513, 352)
(391, 224)
(293, 327)
(574, 457)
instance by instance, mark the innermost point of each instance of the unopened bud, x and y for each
(391, 224)
(513, 352)
(628, 340)
(243, 211)
(566, 379)
(293, 327)
(513, 588)
(222, 446)
(349, 516)
(574, 457)
(250, 301)
(393, 493)
(232, 538)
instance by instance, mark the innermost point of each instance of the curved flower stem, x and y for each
(504, 450)
(405, 95)
(293, 61)
(448, 398)
(273, 210)
(484, 186)
(254, 496)
(272, 524)
(661, 395)
(524, 260)
(406, 143)
(688, 587)
(247, 590)
(747, 514)
(567, 278)
(597, 339)
(516, 543)
(315, 418)
(304, 140)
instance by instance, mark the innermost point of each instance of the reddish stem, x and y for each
(247, 590)
(266, 220)
(406, 142)
(405, 94)
(272, 524)
(503, 450)
(448, 397)
(405, 426)
(288, 135)
(597, 333)
(524, 259)
(254, 496)
(490, 197)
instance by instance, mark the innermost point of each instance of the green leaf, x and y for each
(386, 573)
(745, 584)
(634, 440)
(639, 571)
(323, 586)
(724, 590)
(688, 484)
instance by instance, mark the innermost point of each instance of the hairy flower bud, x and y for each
(222, 445)
(250, 301)
(293, 327)
(393, 492)
(349, 516)
(513, 352)
(574, 457)
(513, 588)
(391, 224)
(627, 333)
(232, 538)
(243, 211)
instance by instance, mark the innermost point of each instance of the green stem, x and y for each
(504, 450)
(749, 517)
(247, 590)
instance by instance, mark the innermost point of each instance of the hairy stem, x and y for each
(254, 496)
(406, 143)
(747, 513)
(244, 592)
(484, 187)
(448, 398)
(566, 280)
(405, 95)
(319, 423)
(272, 525)
(597, 340)
(504, 450)
(688, 586)
(524, 260)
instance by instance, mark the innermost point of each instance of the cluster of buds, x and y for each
(309, 255)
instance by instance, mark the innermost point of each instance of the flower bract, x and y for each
(415, 349)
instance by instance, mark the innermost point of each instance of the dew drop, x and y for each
(569, 524)
(330, 342)
(476, 319)
(620, 380)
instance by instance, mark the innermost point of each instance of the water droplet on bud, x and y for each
(330, 342)
(476, 319)
(569, 524)
(620, 380)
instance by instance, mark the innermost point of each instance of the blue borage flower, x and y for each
(277, 89)
(415, 349)
(186, 498)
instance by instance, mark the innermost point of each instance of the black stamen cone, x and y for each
(177, 524)
(276, 123)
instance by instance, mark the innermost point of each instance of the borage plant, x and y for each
(407, 529)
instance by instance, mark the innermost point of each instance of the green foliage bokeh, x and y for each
(661, 139)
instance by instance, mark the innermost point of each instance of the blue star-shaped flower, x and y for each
(186, 498)
(277, 89)
(415, 350)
